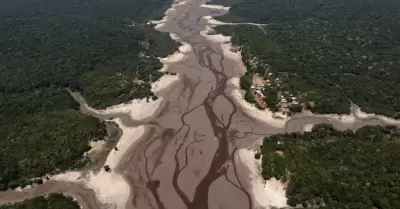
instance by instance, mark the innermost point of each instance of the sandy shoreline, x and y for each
(271, 193)
(110, 187)
(261, 190)
(114, 190)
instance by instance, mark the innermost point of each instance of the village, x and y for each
(286, 102)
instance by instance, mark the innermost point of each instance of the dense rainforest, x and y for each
(337, 169)
(52, 201)
(326, 53)
(104, 49)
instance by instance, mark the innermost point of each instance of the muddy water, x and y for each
(188, 159)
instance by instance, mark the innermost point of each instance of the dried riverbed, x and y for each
(188, 156)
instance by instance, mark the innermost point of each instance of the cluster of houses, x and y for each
(259, 97)
(257, 89)
(285, 98)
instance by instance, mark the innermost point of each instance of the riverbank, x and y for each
(195, 139)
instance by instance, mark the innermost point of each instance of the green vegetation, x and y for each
(52, 201)
(337, 169)
(326, 53)
(104, 49)
(89, 46)
(41, 133)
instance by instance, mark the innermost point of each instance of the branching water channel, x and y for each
(188, 156)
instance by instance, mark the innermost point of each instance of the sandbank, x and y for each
(271, 193)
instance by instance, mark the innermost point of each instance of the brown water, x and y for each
(188, 156)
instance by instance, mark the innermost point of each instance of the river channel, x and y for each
(188, 158)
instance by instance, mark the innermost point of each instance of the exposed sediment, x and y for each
(86, 197)
(189, 157)
(190, 153)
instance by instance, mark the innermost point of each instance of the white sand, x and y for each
(343, 118)
(362, 115)
(129, 136)
(212, 21)
(208, 30)
(72, 176)
(173, 58)
(218, 38)
(19, 189)
(138, 109)
(174, 37)
(215, 7)
(110, 188)
(267, 194)
(347, 118)
(276, 192)
(185, 48)
(96, 145)
(308, 127)
(356, 114)
(227, 49)
(166, 83)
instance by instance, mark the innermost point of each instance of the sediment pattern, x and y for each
(189, 156)
(188, 159)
